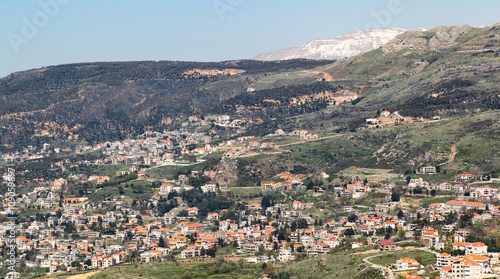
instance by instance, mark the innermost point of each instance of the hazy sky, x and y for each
(41, 33)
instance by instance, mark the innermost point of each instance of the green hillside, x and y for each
(449, 71)
(106, 101)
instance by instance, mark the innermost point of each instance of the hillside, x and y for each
(103, 101)
(444, 70)
(449, 71)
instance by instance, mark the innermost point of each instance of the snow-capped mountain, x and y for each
(343, 46)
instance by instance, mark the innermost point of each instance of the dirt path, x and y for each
(327, 76)
(453, 153)
(261, 153)
(306, 141)
(82, 276)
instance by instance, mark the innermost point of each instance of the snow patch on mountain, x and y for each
(341, 47)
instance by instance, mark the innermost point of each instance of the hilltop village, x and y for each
(124, 213)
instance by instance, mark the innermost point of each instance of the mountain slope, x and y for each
(343, 46)
(445, 69)
(103, 101)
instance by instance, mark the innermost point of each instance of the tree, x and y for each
(395, 197)
(265, 203)
(161, 242)
(269, 270)
(419, 259)
(353, 217)
(433, 192)
(302, 223)
(211, 252)
(400, 214)
(417, 235)
(349, 232)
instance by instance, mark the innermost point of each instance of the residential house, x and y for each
(407, 264)
(387, 245)
(465, 177)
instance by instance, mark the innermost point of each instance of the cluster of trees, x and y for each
(115, 180)
(164, 206)
(282, 94)
(205, 202)
(462, 100)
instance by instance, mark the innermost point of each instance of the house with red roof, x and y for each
(387, 245)
(192, 211)
(461, 206)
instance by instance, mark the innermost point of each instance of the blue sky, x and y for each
(41, 33)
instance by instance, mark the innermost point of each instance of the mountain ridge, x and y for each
(337, 48)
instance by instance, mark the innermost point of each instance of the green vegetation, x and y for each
(138, 190)
(196, 270)
(390, 258)
(163, 89)
(337, 265)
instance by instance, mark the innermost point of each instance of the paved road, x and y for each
(391, 274)
(366, 260)
(286, 196)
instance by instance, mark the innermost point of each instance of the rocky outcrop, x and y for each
(433, 39)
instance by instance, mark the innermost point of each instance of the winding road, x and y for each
(391, 274)
(366, 260)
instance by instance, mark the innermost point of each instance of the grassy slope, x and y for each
(401, 148)
(475, 138)
(390, 258)
(161, 270)
(339, 265)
